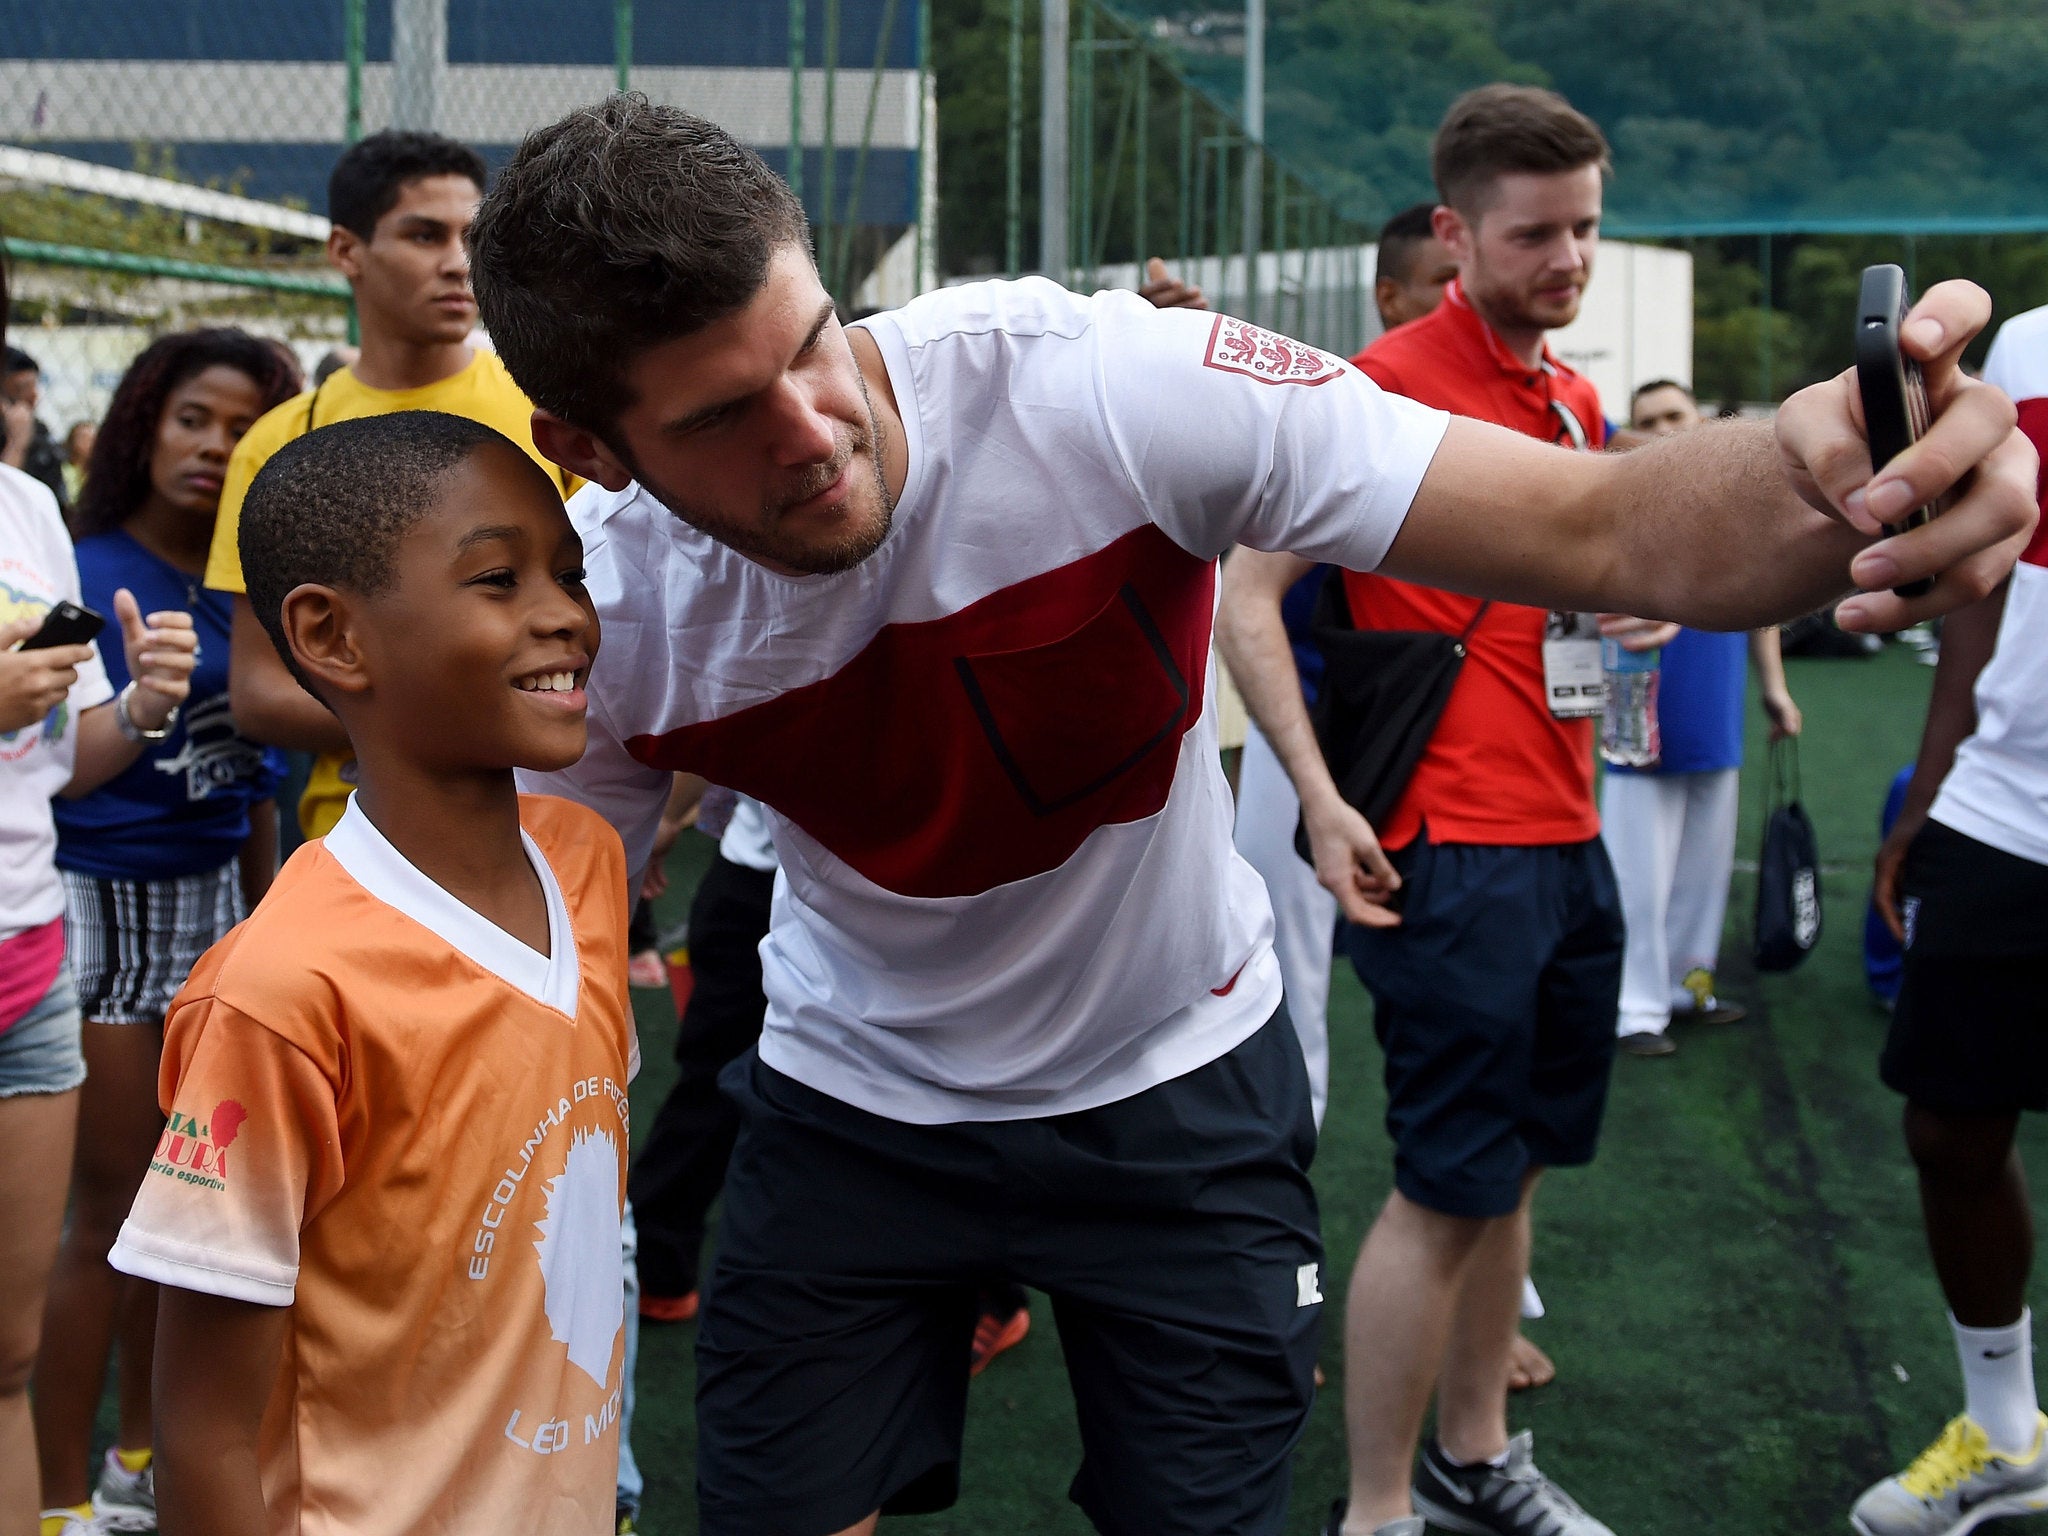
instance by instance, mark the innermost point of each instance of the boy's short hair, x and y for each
(1400, 238)
(620, 227)
(1500, 129)
(1644, 389)
(331, 507)
(366, 180)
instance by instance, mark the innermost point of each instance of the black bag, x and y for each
(1382, 693)
(1788, 872)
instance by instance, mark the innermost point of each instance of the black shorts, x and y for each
(1495, 1002)
(1176, 1232)
(1969, 1034)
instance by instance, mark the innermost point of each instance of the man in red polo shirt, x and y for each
(1495, 985)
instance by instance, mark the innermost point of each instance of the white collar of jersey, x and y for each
(551, 979)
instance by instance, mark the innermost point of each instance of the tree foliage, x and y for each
(1902, 111)
(1716, 108)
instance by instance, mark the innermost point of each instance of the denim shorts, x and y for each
(40, 1051)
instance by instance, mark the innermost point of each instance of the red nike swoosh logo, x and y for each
(1226, 988)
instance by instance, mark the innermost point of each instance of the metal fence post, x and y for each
(796, 98)
(1013, 148)
(352, 48)
(622, 42)
(1187, 173)
(1763, 332)
(1255, 138)
(1084, 140)
(926, 249)
(1053, 188)
(828, 231)
(1142, 63)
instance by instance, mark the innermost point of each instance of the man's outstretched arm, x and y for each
(1738, 525)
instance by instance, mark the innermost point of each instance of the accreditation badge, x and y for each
(1573, 683)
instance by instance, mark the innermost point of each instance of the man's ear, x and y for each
(318, 626)
(1450, 226)
(345, 252)
(580, 452)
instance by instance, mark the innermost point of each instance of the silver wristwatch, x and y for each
(127, 723)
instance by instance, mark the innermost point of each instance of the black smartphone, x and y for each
(1895, 410)
(65, 624)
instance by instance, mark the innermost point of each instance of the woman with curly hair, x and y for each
(158, 863)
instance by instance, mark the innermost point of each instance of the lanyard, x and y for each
(1574, 429)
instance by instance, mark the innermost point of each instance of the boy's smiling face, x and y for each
(479, 650)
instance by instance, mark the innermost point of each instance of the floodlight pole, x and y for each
(1053, 192)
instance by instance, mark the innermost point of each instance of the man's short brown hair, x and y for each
(620, 227)
(1499, 129)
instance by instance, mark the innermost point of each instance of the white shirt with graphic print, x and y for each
(37, 572)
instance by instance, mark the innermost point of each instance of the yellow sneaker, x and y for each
(1956, 1484)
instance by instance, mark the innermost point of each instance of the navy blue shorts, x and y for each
(1495, 1002)
(1175, 1231)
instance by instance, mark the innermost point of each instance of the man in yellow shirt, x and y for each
(401, 204)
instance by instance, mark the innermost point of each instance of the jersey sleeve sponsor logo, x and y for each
(986, 746)
(1236, 346)
(194, 1151)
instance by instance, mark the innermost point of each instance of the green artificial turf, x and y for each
(1746, 1328)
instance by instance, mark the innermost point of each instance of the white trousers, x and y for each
(1304, 914)
(1671, 837)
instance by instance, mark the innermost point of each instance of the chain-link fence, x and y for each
(1071, 141)
(165, 164)
(81, 313)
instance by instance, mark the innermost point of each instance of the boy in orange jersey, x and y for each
(386, 1206)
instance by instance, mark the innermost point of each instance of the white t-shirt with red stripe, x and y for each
(989, 751)
(1997, 792)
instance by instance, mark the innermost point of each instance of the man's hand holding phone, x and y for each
(1972, 448)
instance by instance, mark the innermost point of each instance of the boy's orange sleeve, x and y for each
(251, 1152)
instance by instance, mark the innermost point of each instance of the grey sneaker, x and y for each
(1955, 1484)
(1513, 1500)
(124, 1500)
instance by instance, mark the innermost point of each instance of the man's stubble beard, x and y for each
(1513, 313)
(803, 557)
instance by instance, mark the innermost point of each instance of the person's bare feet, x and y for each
(1528, 1366)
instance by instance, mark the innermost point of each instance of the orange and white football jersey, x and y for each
(400, 1122)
